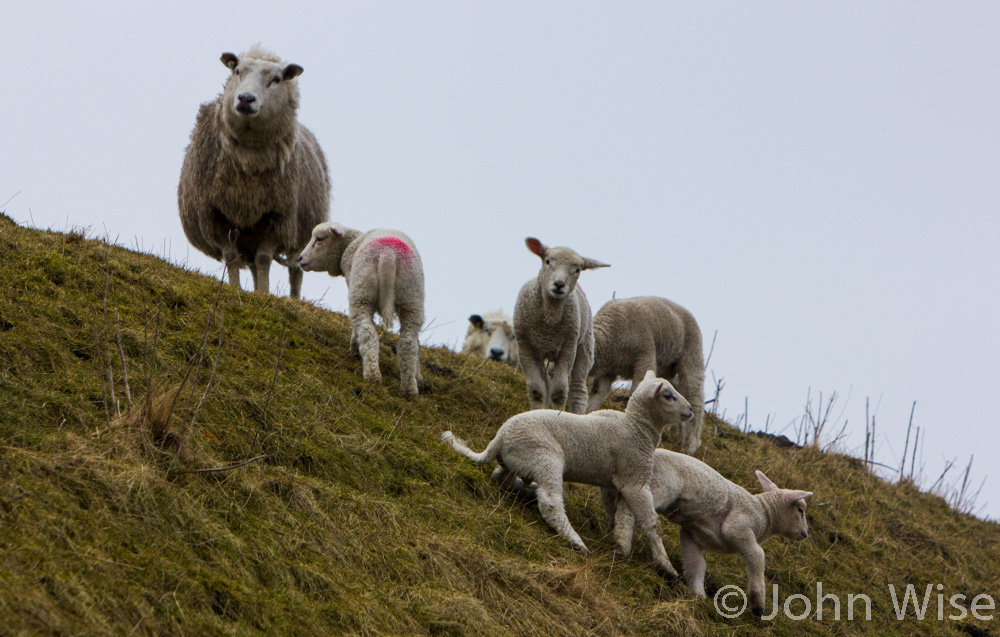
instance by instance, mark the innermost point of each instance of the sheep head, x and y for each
(789, 518)
(259, 90)
(663, 404)
(325, 249)
(561, 268)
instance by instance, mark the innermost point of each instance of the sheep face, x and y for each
(260, 88)
(664, 403)
(561, 268)
(325, 249)
(491, 337)
(790, 517)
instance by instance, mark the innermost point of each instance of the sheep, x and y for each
(553, 323)
(491, 336)
(608, 448)
(254, 181)
(714, 515)
(649, 332)
(385, 275)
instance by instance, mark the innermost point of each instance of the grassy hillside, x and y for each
(243, 479)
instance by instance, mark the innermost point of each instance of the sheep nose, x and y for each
(496, 353)
(559, 285)
(246, 98)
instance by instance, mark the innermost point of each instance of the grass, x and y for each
(254, 483)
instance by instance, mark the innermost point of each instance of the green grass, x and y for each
(350, 516)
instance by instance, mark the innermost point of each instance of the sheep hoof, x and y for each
(667, 572)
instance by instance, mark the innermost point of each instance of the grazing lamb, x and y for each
(553, 322)
(714, 515)
(385, 275)
(254, 181)
(491, 336)
(611, 449)
(649, 332)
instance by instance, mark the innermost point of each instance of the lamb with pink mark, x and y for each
(553, 323)
(714, 515)
(384, 275)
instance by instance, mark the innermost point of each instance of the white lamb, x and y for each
(649, 332)
(714, 515)
(491, 336)
(385, 275)
(611, 449)
(553, 322)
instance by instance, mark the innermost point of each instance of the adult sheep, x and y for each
(491, 336)
(254, 181)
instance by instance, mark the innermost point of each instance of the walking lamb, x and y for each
(385, 275)
(254, 181)
(607, 448)
(714, 515)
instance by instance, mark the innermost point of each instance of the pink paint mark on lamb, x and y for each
(396, 244)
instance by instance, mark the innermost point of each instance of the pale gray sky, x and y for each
(816, 182)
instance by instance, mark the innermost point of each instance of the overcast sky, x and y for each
(818, 183)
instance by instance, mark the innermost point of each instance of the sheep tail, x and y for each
(491, 453)
(387, 287)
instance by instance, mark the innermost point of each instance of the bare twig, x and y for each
(711, 349)
(277, 366)
(906, 445)
(121, 353)
(215, 363)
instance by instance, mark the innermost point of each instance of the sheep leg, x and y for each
(559, 380)
(509, 481)
(639, 371)
(609, 502)
(262, 271)
(294, 276)
(753, 556)
(624, 529)
(534, 374)
(363, 323)
(640, 500)
(601, 389)
(232, 261)
(693, 561)
(550, 504)
(578, 379)
(408, 351)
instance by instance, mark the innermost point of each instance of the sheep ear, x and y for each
(794, 496)
(590, 264)
(230, 60)
(476, 320)
(649, 374)
(536, 246)
(765, 483)
(335, 232)
(292, 71)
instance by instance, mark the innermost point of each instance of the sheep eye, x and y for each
(274, 80)
(668, 397)
(546, 262)
(319, 239)
(577, 271)
(237, 71)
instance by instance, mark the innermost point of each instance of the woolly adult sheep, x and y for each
(607, 448)
(254, 181)
(649, 332)
(385, 275)
(491, 336)
(714, 515)
(553, 322)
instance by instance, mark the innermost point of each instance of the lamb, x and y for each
(491, 336)
(649, 332)
(553, 322)
(385, 275)
(611, 449)
(714, 515)
(254, 181)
